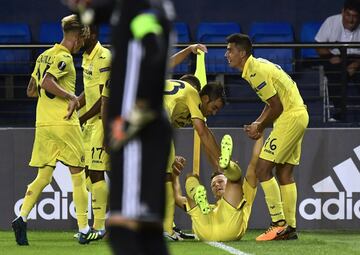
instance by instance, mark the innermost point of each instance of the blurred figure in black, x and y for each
(139, 132)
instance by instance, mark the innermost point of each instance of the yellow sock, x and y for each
(289, 198)
(80, 196)
(88, 184)
(99, 201)
(190, 186)
(273, 199)
(43, 178)
(169, 208)
(233, 171)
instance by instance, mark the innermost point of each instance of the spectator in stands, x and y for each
(342, 27)
(234, 196)
(285, 110)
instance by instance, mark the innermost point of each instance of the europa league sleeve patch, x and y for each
(62, 65)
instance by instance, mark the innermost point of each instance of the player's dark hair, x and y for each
(213, 90)
(352, 5)
(192, 80)
(241, 41)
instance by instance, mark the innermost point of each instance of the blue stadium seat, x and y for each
(216, 32)
(105, 34)
(307, 35)
(50, 32)
(182, 32)
(183, 36)
(274, 32)
(15, 61)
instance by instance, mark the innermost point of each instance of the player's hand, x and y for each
(72, 106)
(81, 120)
(178, 165)
(253, 130)
(195, 47)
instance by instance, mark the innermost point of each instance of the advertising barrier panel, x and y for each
(328, 179)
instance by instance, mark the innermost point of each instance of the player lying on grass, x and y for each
(227, 219)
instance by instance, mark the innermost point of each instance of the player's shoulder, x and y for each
(62, 56)
(261, 66)
(104, 53)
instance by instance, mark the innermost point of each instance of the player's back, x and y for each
(52, 109)
(182, 103)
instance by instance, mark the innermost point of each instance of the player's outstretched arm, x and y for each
(177, 166)
(31, 90)
(179, 57)
(250, 172)
(207, 138)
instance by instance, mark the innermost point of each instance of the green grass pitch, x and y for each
(309, 243)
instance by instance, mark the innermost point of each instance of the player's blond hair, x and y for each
(72, 23)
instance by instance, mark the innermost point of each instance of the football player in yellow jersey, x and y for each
(285, 109)
(96, 73)
(186, 106)
(228, 218)
(57, 135)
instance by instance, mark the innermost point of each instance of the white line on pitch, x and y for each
(227, 248)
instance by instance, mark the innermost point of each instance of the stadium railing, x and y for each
(243, 105)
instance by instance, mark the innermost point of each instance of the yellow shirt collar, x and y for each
(247, 66)
(59, 46)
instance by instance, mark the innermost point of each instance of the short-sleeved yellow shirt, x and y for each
(182, 103)
(284, 142)
(268, 79)
(51, 110)
(96, 73)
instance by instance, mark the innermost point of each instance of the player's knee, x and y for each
(233, 172)
(263, 173)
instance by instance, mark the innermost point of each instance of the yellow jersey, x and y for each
(182, 103)
(268, 79)
(96, 72)
(50, 109)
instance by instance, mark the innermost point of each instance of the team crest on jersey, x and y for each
(61, 65)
